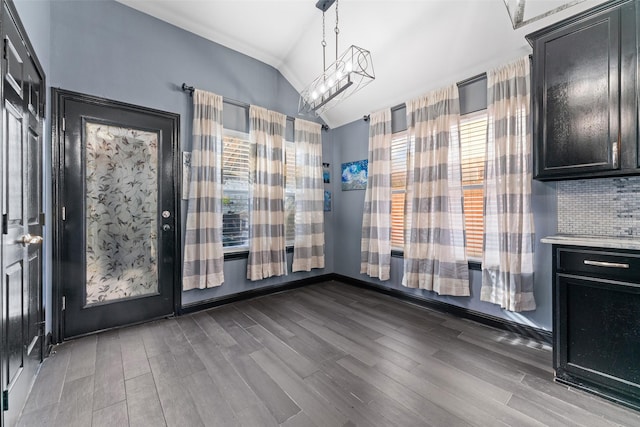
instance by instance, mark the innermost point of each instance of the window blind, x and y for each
(473, 139)
(398, 188)
(235, 190)
(473, 133)
(290, 192)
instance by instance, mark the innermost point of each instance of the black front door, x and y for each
(119, 255)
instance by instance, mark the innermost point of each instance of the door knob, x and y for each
(28, 239)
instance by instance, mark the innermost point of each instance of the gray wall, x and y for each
(106, 49)
(36, 17)
(351, 143)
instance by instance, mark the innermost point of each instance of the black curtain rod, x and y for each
(394, 108)
(472, 79)
(191, 89)
(459, 84)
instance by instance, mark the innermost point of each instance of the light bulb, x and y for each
(330, 82)
(349, 67)
(314, 95)
(323, 89)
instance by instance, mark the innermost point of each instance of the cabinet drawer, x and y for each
(599, 263)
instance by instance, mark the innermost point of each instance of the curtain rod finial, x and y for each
(189, 89)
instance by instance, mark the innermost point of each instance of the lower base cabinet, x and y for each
(597, 321)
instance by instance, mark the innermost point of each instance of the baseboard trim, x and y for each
(485, 319)
(48, 345)
(253, 293)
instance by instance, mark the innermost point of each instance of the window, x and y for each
(473, 139)
(398, 188)
(473, 132)
(290, 192)
(235, 190)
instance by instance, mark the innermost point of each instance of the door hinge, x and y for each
(63, 213)
(64, 303)
(42, 217)
(40, 326)
(64, 125)
(5, 223)
(5, 400)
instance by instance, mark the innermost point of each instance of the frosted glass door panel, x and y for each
(121, 169)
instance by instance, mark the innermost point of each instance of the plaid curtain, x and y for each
(507, 261)
(203, 256)
(435, 248)
(267, 255)
(375, 251)
(308, 249)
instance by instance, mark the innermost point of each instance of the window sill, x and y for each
(473, 264)
(244, 253)
(240, 254)
(397, 254)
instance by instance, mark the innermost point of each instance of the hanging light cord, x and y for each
(324, 46)
(324, 40)
(337, 30)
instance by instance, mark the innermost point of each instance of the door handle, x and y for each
(28, 239)
(166, 227)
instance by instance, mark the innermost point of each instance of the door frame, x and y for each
(58, 97)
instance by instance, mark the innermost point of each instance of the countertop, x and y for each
(593, 241)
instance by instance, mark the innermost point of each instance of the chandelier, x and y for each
(350, 72)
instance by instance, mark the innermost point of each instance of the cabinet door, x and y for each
(597, 339)
(577, 84)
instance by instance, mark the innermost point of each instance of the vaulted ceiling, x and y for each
(416, 45)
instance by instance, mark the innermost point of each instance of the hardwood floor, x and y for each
(324, 355)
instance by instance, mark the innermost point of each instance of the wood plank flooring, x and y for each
(324, 355)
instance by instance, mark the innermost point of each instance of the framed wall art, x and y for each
(327, 201)
(354, 175)
(326, 173)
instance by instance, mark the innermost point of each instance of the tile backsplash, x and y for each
(600, 207)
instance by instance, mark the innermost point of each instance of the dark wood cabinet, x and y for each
(596, 321)
(584, 95)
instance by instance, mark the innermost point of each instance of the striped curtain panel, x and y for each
(507, 261)
(435, 248)
(267, 255)
(376, 220)
(308, 249)
(203, 256)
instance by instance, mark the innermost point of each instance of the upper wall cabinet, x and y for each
(584, 95)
